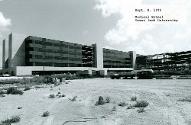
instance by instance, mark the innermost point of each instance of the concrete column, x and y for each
(105, 72)
(133, 58)
(90, 72)
(3, 55)
(10, 50)
(99, 56)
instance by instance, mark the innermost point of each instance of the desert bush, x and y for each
(141, 104)
(186, 99)
(19, 107)
(107, 100)
(122, 104)
(13, 119)
(3, 92)
(130, 107)
(51, 96)
(26, 88)
(74, 98)
(45, 114)
(25, 81)
(14, 91)
(100, 101)
(134, 98)
(63, 95)
(65, 76)
(2, 95)
(141, 110)
(43, 80)
(67, 82)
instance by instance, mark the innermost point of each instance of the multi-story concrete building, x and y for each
(177, 61)
(38, 55)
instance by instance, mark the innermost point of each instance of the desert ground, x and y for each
(169, 103)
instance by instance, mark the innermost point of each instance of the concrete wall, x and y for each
(19, 58)
(27, 70)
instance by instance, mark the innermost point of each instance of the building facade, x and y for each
(117, 59)
(46, 52)
(178, 61)
(38, 55)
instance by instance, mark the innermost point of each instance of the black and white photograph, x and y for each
(95, 62)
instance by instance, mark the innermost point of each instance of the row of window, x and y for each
(56, 58)
(116, 66)
(57, 64)
(61, 44)
(47, 51)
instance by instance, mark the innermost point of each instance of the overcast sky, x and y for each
(108, 22)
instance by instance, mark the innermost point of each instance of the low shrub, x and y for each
(26, 88)
(100, 101)
(141, 110)
(3, 92)
(14, 91)
(63, 95)
(130, 107)
(46, 114)
(19, 107)
(186, 99)
(107, 100)
(2, 95)
(74, 98)
(13, 119)
(51, 96)
(141, 104)
(134, 98)
(122, 104)
(43, 80)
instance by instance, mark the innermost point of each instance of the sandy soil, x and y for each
(163, 97)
